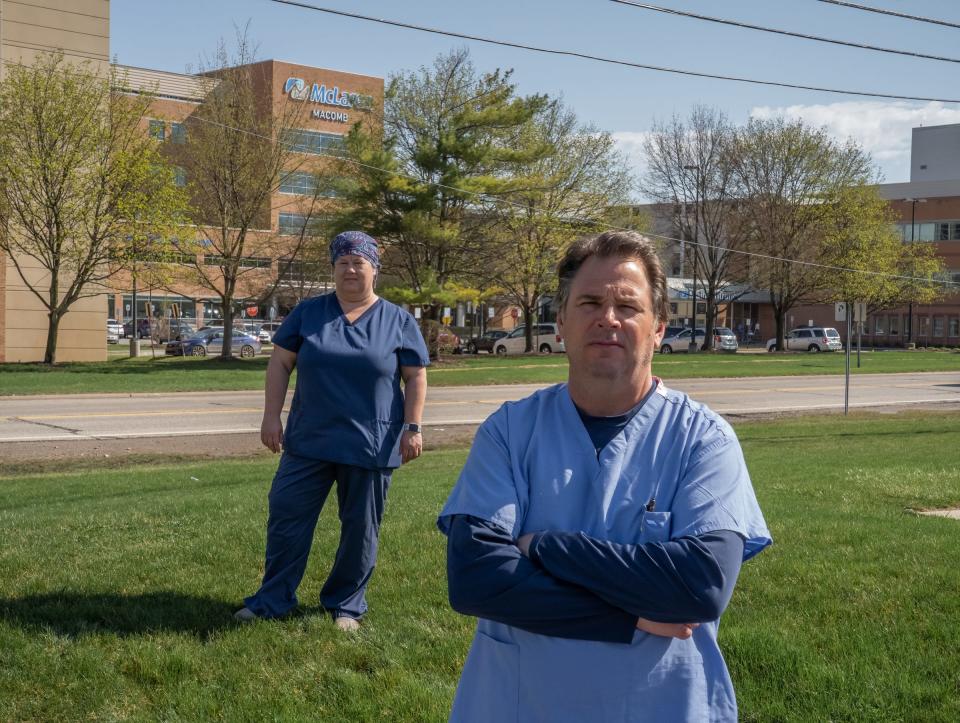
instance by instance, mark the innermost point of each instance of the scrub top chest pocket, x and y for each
(656, 526)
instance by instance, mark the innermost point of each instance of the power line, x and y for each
(704, 245)
(613, 61)
(789, 33)
(35, 6)
(894, 13)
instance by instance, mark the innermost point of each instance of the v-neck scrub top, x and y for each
(675, 470)
(348, 404)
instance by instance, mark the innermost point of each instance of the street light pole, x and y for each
(696, 228)
(913, 229)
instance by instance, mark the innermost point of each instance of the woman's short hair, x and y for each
(620, 244)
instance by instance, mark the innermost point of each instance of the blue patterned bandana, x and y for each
(355, 243)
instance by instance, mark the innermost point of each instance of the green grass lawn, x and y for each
(118, 587)
(176, 374)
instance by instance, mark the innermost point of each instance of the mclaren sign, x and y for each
(319, 93)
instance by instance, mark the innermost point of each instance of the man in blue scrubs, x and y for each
(598, 527)
(350, 424)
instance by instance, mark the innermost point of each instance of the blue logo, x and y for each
(296, 87)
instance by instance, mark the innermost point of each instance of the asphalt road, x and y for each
(115, 416)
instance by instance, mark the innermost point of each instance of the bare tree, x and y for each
(236, 152)
(690, 173)
(81, 184)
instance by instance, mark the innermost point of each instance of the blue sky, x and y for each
(624, 101)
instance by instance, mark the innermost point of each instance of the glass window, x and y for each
(953, 327)
(179, 176)
(943, 232)
(938, 326)
(298, 182)
(178, 132)
(158, 129)
(893, 322)
(879, 325)
(924, 325)
(519, 331)
(291, 223)
(955, 234)
(926, 231)
(304, 141)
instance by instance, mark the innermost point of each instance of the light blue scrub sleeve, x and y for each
(715, 493)
(486, 488)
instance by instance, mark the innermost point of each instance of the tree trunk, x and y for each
(528, 320)
(781, 319)
(226, 352)
(50, 355)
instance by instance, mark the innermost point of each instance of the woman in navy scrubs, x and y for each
(349, 424)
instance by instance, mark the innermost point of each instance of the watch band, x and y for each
(411, 427)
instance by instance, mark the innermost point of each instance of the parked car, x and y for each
(143, 327)
(546, 340)
(210, 342)
(485, 341)
(254, 328)
(723, 340)
(114, 331)
(171, 329)
(270, 328)
(809, 338)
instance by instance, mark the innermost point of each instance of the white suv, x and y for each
(546, 339)
(810, 338)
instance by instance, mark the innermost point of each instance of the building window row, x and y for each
(303, 182)
(158, 131)
(937, 326)
(247, 262)
(930, 231)
(314, 142)
(292, 224)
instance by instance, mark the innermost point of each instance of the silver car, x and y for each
(723, 340)
(810, 338)
(210, 342)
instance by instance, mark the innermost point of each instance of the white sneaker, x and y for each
(347, 625)
(245, 615)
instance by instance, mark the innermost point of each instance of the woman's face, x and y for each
(354, 276)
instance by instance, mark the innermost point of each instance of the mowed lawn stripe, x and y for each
(119, 584)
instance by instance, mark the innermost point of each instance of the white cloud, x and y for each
(882, 129)
(630, 143)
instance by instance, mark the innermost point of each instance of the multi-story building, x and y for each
(81, 30)
(334, 100)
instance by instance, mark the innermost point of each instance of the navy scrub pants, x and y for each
(297, 495)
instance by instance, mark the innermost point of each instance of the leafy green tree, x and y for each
(791, 182)
(562, 187)
(81, 184)
(450, 133)
(879, 269)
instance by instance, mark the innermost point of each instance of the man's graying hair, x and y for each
(620, 244)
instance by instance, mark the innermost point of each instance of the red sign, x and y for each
(515, 313)
(252, 311)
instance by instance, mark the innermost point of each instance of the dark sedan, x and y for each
(485, 341)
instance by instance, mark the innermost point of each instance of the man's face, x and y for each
(608, 323)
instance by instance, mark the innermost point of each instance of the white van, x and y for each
(546, 340)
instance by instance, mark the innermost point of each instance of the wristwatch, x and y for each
(411, 427)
